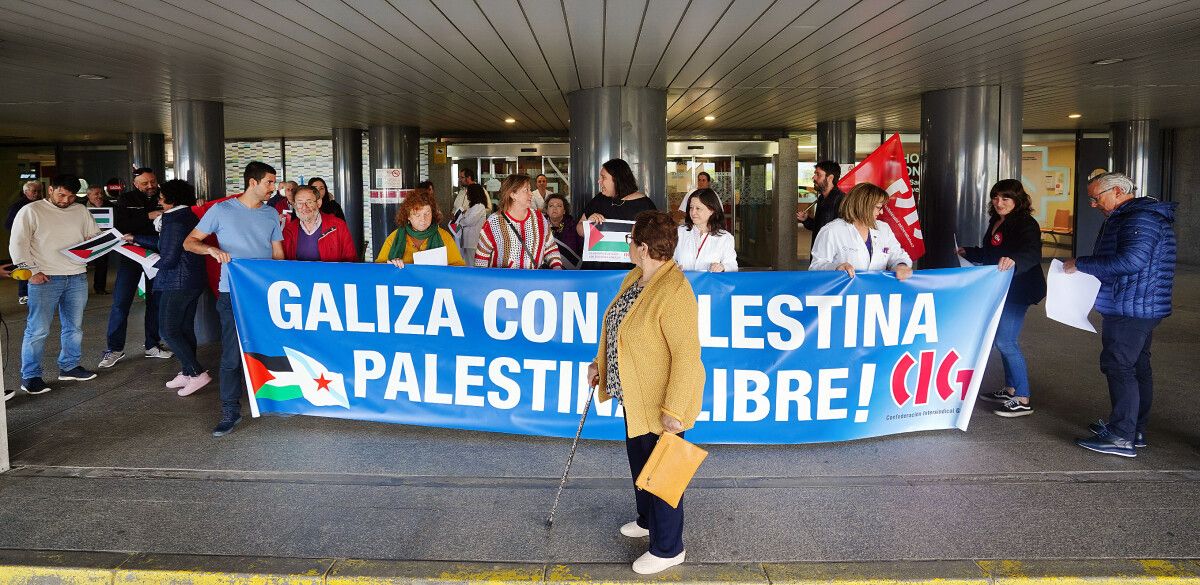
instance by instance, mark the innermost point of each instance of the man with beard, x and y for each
(825, 177)
(41, 231)
(135, 212)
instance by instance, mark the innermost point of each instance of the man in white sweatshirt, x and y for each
(40, 232)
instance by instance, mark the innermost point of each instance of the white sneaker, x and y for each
(632, 530)
(649, 564)
(110, 359)
(158, 352)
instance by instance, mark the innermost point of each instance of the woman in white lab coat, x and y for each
(704, 245)
(857, 240)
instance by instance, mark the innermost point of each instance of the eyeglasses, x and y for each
(1096, 197)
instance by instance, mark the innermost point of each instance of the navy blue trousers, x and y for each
(664, 522)
(1125, 361)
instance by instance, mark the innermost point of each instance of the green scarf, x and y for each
(401, 241)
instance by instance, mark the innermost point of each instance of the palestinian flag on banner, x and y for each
(94, 247)
(606, 243)
(292, 376)
(141, 290)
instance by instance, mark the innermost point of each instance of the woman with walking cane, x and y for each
(649, 360)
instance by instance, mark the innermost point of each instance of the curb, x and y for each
(63, 567)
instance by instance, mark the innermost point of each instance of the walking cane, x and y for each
(574, 444)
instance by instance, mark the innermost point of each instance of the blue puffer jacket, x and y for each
(1134, 258)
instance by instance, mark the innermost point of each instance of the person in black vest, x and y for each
(1014, 242)
(135, 213)
(829, 198)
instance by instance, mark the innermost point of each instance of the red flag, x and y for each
(886, 168)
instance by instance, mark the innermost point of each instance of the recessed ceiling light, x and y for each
(1074, 116)
(710, 118)
(1106, 61)
(1026, 145)
(509, 121)
(91, 76)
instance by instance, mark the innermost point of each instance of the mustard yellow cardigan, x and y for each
(453, 256)
(658, 349)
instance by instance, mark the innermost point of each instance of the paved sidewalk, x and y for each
(121, 465)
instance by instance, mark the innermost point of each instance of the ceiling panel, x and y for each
(301, 67)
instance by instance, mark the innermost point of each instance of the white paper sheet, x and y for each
(1069, 297)
(434, 257)
(962, 262)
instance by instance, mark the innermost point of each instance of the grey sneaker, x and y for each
(158, 352)
(110, 358)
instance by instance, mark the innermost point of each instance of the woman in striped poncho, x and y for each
(517, 236)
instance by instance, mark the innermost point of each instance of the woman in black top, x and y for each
(1014, 242)
(619, 198)
(328, 204)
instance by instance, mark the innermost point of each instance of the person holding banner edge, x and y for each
(1014, 243)
(619, 198)
(649, 360)
(417, 230)
(517, 236)
(246, 229)
(857, 240)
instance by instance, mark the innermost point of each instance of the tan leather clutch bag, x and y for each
(670, 468)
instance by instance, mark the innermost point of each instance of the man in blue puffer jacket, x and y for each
(1134, 258)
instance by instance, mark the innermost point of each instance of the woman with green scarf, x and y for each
(418, 218)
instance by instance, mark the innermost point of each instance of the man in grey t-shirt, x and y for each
(245, 228)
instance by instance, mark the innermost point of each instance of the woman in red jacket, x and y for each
(314, 235)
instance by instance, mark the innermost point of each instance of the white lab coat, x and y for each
(690, 255)
(471, 223)
(539, 201)
(839, 242)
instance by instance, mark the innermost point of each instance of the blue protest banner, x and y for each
(791, 357)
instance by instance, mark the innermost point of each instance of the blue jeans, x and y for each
(231, 356)
(177, 318)
(124, 289)
(1008, 334)
(1125, 361)
(68, 295)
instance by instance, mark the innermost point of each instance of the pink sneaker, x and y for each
(195, 383)
(179, 381)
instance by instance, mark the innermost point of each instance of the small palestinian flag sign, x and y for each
(294, 376)
(606, 243)
(94, 247)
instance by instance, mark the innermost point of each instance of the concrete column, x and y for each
(148, 150)
(629, 123)
(439, 174)
(198, 140)
(348, 180)
(1137, 151)
(970, 138)
(391, 147)
(835, 141)
(198, 132)
(787, 179)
